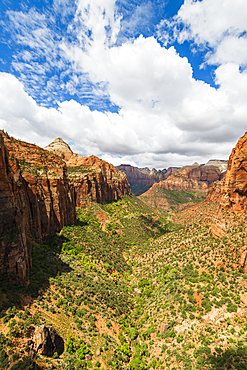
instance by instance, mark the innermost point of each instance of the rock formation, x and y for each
(35, 200)
(91, 178)
(44, 177)
(59, 147)
(141, 179)
(14, 218)
(232, 191)
(95, 179)
(191, 179)
(198, 177)
(231, 194)
(48, 341)
(39, 194)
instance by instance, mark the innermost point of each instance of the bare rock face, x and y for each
(231, 193)
(198, 177)
(59, 147)
(91, 178)
(44, 178)
(48, 341)
(141, 179)
(35, 195)
(95, 179)
(195, 178)
(39, 193)
(14, 218)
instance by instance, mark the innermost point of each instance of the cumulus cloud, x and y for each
(165, 116)
(218, 25)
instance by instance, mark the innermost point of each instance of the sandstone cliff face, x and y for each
(232, 192)
(45, 179)
(141, 179)
(14, 257)
(91, 178)
(194, 179)
(39, 194)
(35, 199)
(95, 179)
(59, 147)
(198, 177)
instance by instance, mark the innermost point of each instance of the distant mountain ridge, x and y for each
(141, 179)
(190, 182)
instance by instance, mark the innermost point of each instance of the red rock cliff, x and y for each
(195, 178)
(35, 196)
(141, 179)
(91, 178)
(95, 179)
(14, 216)
(231, 194)
(232, 191)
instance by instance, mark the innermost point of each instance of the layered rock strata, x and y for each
(232, 191)
(91, 178)
(198, 177)
(35, 200)
(231, 194)
(39, 194)
(141, 179)
(195, 178)
(14, 216)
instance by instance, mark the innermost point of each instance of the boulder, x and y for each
(163, 328)
(137, 292)
(47, 341)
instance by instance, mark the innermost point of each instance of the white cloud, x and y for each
(166, 117)
(217, 24)
(154, 139)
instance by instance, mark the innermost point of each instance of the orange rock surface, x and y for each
(91, 178)
(14, 215)
(188, 178)
(141, 179)
(39, 194)
(233, 189)
(35, 198)
(198, 177)
(96, 179)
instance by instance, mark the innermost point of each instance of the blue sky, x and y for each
(150, 83)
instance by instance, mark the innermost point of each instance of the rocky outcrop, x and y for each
(35, 200)
(91, 178)
(59, 147)
(44, 177)
(95, 179)
(232, 192)
(198, 177)
(39, 194)
(141, 179)
(14, 218)
(195, 180)
(47, 341)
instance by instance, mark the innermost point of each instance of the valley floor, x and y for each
(132, 287)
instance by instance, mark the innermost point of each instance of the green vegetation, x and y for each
(78, 170)
(127, 288)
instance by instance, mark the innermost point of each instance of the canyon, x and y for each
(141, 179)
(129, 285)
(189, 182)
(91, 178)
(40, 192)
